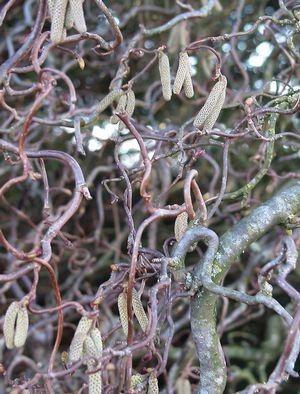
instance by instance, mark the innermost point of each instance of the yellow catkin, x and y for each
(76, 7)
(130, 104)
(212, 118)
(215, 98)
(51, 5)
(94, 380)
(139, 310)
(95, 334)
(122, 307)
(80, 334)
(183, 68)
(181, 225)
(22, 325)
(58, 20)
(112, 96)
(9, 324)
(129, 107)
(120, 108)
(183, 386)
(76, 347)
(188, 85)
(69, 20)
(165, 75)
(152, 385)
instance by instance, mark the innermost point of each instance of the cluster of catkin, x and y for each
(64, 15)
(183, 76)
(87, 341)
(16, 323)
(126, 103)
(209, 113)
(138, 310)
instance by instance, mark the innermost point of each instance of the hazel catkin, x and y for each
(165, 75)
(22, 325)
(92, 349)
(9, 324)
(207, 116)
(76, 9)
(139, 311)
(181, 225)
(183, 67)
(122, 307)
(80, 335)
(58, 19)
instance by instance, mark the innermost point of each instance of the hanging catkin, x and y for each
(76, 7)
(130, 105)
(212, 107)
(51, 5)
(165, 75)
(139, 310)
(94, 380)
(188, 85)
(69, 20)
(9, 324)
(152, 385)
(122, 307)
(58, 19)
(120, 108)
(108, 99)
(183, 67)
(126, 104)
(80, 335)
(212, 118)
(95, 334)
(181, 225)
(22, 325)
